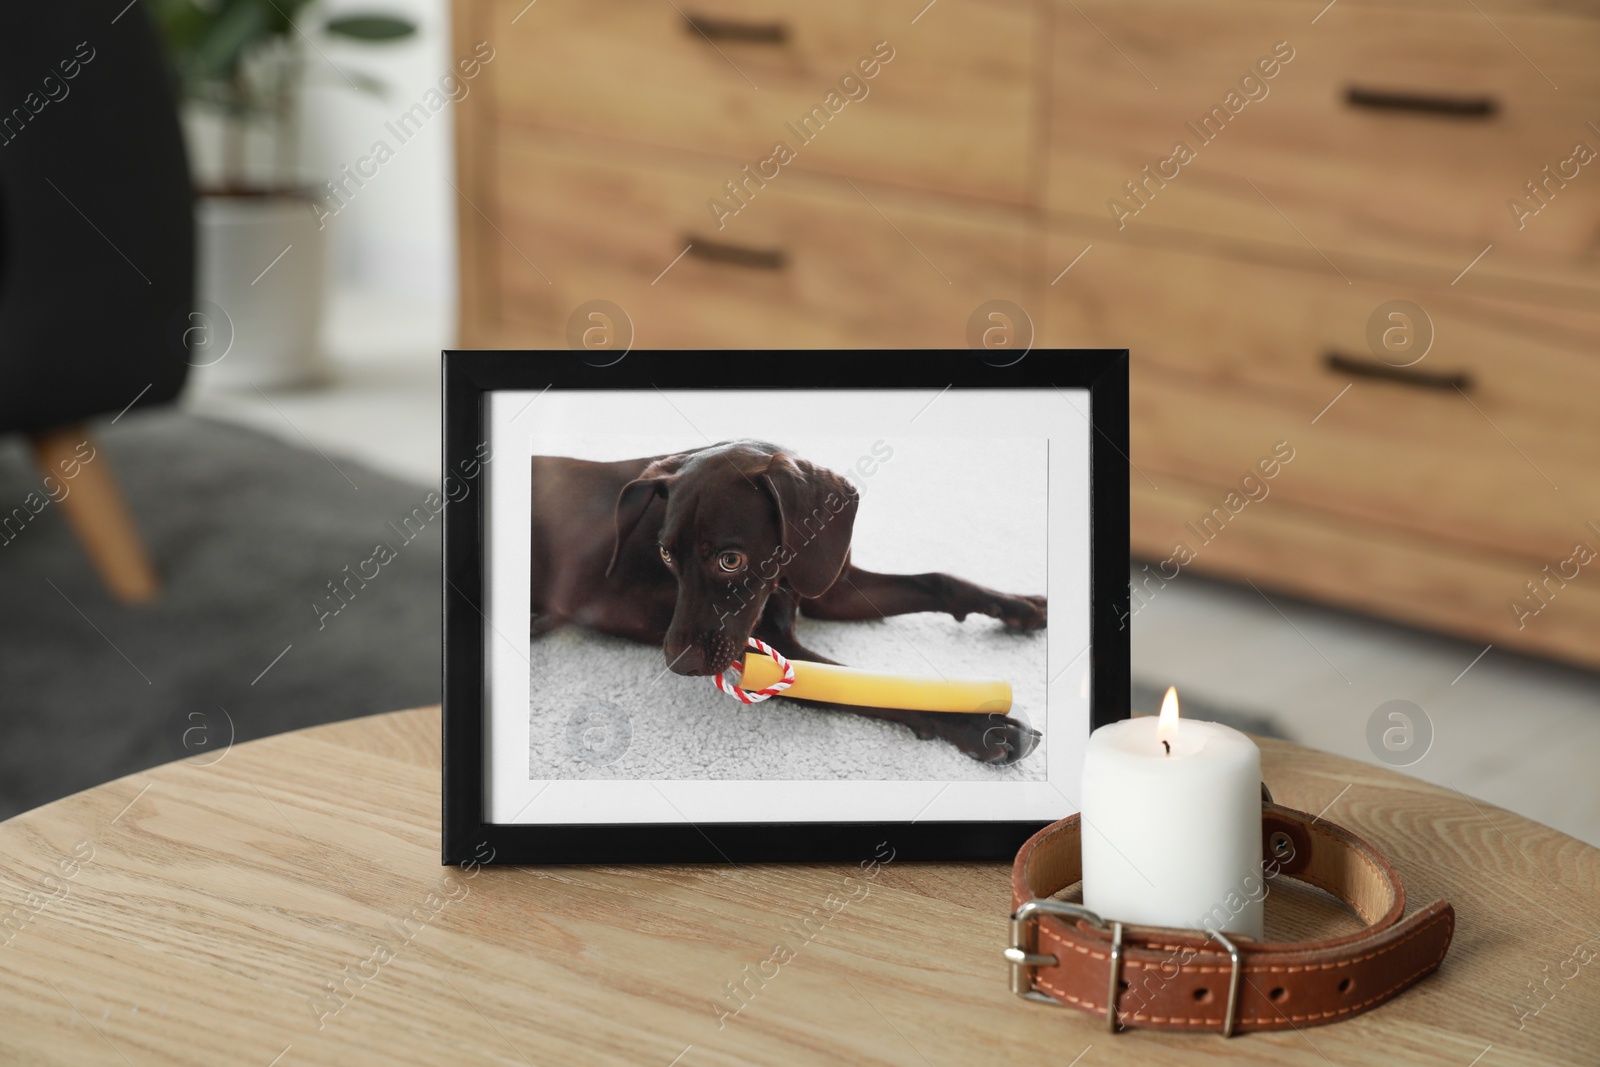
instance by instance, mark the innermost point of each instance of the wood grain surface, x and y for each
(946, 110)
(1362, 565)
(818, 266)
(284, 904)
(1393, 183)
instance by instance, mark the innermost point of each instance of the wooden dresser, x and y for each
(1298, 216)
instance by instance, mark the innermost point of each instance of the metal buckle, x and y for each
(1022, 954)
(1024, 942)
(1233, 981)
(1114, 994)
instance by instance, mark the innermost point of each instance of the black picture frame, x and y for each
(468, 376)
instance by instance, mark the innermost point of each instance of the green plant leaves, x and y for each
(218, 47)
(209, 40)
(372, 27)
(215, 45)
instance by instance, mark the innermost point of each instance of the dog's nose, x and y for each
(701, 654)
(689, 660)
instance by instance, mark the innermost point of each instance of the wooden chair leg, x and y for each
(94, 508)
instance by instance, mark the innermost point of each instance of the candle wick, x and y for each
(1167, 745)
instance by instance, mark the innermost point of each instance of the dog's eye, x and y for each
(666, 554)
(730, 561)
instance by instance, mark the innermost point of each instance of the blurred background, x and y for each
(1351, 245)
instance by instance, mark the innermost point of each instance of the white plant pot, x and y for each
(262, 270)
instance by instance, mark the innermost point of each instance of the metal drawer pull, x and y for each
(736, 255)
(1422, 379)
(714, 29)
(1463, 107)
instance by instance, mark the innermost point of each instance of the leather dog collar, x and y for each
(1168, 979)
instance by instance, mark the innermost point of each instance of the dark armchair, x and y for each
(96, 251)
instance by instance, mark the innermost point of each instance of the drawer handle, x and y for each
(1462, 107)
(736, 255)
(1422, 379)
(714, 29)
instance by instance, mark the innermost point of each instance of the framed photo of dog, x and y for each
(778, 606)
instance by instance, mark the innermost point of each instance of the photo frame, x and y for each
(952, 529)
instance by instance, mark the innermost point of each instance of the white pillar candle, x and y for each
(1172, 824)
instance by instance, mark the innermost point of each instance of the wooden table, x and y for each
(284, 905)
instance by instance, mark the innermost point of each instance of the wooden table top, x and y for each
(284, 905)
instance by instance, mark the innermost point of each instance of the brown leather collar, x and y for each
(1188, 980)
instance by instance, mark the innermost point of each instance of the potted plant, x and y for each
(262, 256)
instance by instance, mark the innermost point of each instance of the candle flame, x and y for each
(1167, 724)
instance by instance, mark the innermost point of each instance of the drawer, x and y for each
(1367, 567)
(1365, 143)
(950, 111)
(809, 263)
(1274, 326)
(1433, 467)
(1230, 356)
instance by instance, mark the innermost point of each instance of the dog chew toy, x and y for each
(767, 673)
(775, 685)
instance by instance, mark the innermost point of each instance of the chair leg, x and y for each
(97, 513)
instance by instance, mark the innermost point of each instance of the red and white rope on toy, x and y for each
(745, 696)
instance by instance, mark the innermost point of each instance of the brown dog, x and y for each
(697, 551)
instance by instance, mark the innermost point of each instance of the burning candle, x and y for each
(1172, 824)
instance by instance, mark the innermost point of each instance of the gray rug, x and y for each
(652, 724)
(247, 532)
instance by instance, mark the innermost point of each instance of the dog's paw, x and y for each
(1008, 741)
(994, 739)
(1023, 612)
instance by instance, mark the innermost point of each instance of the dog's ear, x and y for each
(635, 498)
(816, 516)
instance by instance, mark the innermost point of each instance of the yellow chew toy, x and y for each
(833, 684)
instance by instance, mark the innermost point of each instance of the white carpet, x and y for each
(605, 708)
